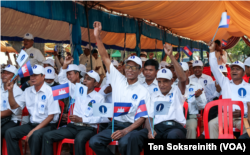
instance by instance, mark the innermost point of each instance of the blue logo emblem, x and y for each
(103, 109)
(8, 66)
(164, 71)
(22, 57)
(135, 97)
(4, 101)
(132, 57)
(236, 62)
(242, 92)
(112, 60)
(49, 71)
(92, 101)
(180, 63)
(196, 61)
(31, 54)
(159, 107)
(81, 90)
(221, 67)
(205, 81)
(68, 67)
(34, 67)
(43, 97)
(191, 89)
(155, 89)
(91, 71)
(27, 34)
(42, 106)
(171, 95)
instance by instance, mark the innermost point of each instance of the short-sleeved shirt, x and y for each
(17, 92)
(175, 112)
(34, 101)
(123, 92)
(35, 56)
(203, 80)
(85, 60)
(84, 109)
(153, 87)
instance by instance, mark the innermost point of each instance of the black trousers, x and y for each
(13, 135)
(81, 134)
(244, 136)
(100, 141)
(5, 127)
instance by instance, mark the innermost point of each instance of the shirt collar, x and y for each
(154, 82)
(243, 82)
(43, 88)
(135, 84)
(193, 76)
(159, 94)
(29, 48)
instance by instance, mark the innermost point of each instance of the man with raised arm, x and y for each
(171, 125)
(125, 89)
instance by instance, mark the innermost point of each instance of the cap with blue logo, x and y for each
(165, 73)
(28, 36)
(10, 68)
(197, 63)
(135, 59)
(238, 63)
(82, 69)
(94, 75)
(73, 67)
(115, 63)
(50, 62)
(184, 66)
(223, 68)
(38, 69)
(49, 73)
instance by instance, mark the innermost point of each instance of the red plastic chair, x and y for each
(228, 129)
(61, 104)
(88, 150)
(185, 105)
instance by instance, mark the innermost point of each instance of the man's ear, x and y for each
(96, 84)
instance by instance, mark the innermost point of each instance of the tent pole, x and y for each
(87, 16)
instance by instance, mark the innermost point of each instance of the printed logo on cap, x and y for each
(221, 67)
(196, 61)
(103, 109)
(22, 57)
(191, 89)
(43, 97)
(205, 81)
(155, 89)
(236, 62)
(159, 107)
(135, 97)
(242, 92)
(132, 57)
(91, 71)
(35, 66)
(27, 34)
(81, 90)
(49, 71)
(92, 101)
(8, 65)
(164, 71)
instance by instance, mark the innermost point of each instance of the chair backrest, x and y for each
(227, 105)
(185, 105)
(61, 104)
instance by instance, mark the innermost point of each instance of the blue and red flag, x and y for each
(187, 51)
(60, 91)
(25, 70)
(121, 108)
(224, 21)
(224, 42)
(141, 110)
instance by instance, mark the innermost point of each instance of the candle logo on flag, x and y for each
(60, 91)
(103, 110)
(141, 110)
(81, 91)
(242, 92)
(26, 70)
(161, 107)
(188, 51)
(23, 56)
(121, 108)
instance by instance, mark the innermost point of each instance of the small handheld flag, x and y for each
(161, 107)
(25, 70)
(81, 91)
(224, 42)
(141, 110)
(194, 94)
(60, 91)
(103, 110)
(224, 22)
(121, 108)
(188, 51)
(23, 56)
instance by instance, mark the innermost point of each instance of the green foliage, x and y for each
(239, 52)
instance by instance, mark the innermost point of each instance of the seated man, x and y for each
(83, 125)
(237, 72)
(170, 126)
(195, 103)
(44, 113)
(9, 117)
(126, 89)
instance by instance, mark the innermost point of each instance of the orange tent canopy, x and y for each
(5, 48)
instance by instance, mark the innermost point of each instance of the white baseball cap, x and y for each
(135, 59)
(38, 69)
(28, 36)
(73, 67)
(165, 73)
(10, 68)
(238, 63)
(197, 63)
(164, 64)
(87, 47)
(50, 62)
(82, 69)
(247, 62)
(223, 68)
(94, 75)
(115, 63)
(49, 72)
(144, 59)
(145, 53)
(184, 66)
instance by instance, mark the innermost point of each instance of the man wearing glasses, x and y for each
(125, 89)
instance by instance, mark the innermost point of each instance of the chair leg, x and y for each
(4, 147)
(25, 148)
(20, 146)
(59, 148)
(54, 148)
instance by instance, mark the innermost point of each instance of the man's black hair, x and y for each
(80, 76)
(152, 62)
(94, 51)
(217, 42)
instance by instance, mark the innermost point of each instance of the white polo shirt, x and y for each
(123, 92)
(84, 109)
(203, 80)
(35, 56)
(224, 82)
(17, 92)
(85, 60)
(108, 97)
(195, 103)
(35, 100)
(141, 77)
(210, 92)
(153, 87)
(175, 112)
